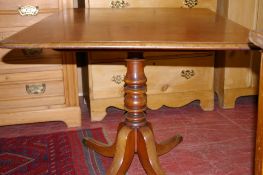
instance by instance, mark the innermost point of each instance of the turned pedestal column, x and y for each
(135, 134)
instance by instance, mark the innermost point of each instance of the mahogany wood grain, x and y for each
(147, 152)
(167, 145)
(125, 145)
(101, 148)
(132, 29)
(257, 39)
(259, 140)
(135, 93)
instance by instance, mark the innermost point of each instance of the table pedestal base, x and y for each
(135, 134)
(130, 141)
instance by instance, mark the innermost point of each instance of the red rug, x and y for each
(57, 153)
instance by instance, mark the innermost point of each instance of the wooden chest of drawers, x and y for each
(35, 85)
(211, 4)
(188, 77)
(236, 72)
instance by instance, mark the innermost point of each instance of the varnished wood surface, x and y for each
(259, 139)
(150, 28)
(257, 39)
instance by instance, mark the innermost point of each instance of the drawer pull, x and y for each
(119, 4)
(165, 87)
(32, 52)
(190, 3)
(118, 79)
(35, 89)
(28, 10)
(188, 74)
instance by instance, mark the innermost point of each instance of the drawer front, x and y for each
(14, 4)
(165, 75)
(107, 80)
(211, 4)
(25, 104)
(179, 75)
(31, 90)
(15, 78)
(30, 60)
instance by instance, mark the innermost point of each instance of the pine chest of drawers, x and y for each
(236, 72)
(174, 79)
(36, 85)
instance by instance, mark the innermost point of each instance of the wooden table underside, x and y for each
(133, 30)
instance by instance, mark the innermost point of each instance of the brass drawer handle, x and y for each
(188, 74)
(119, 4)
(118, 79)
(35, 89)
(28, 10)
(32, 52)
(190, 3)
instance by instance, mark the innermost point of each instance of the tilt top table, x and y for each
(135, 31)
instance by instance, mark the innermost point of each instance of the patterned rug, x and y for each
(57, 153)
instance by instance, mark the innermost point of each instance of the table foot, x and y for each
(101, 148)
(125, 148)
(167, 145)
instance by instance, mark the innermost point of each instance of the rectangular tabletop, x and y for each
(151, 28)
